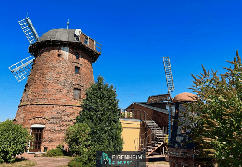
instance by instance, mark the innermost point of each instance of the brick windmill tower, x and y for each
(61, 71)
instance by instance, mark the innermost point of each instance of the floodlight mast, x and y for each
(170, 86)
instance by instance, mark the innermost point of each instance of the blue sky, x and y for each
(135, 35)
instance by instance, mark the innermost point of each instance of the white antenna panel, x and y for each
(168, 73)
(29, 30)
(22, 69)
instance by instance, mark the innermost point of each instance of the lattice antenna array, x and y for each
(29, 30)
(170, 86)
(169, 78)
(22, 69)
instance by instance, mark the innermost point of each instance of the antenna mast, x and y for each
(67, 24)
(170, 86)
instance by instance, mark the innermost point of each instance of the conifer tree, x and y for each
(217, 115)
(100, 112)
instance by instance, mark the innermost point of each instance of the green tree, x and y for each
(217, 115)
(100, 112)
(78, 139)
(13, 140)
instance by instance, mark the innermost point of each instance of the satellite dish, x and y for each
(22, 69)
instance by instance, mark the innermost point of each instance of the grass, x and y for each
(67, 157)
(19, 163)
(28, 163)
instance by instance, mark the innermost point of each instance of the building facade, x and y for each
(61, 72)
(153, 115)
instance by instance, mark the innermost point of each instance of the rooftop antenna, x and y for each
(29, 30)
(170, 86)
(23, 68)
(67, 24)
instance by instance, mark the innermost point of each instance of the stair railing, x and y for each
(144, 142)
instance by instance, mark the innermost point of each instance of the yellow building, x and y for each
(131, 134)
(145, 125)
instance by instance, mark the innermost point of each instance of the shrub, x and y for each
(78, 139)
(55, 152)
(128, 114)
(78, 162)
(122, 115)
(59, 151)
(166, 142)
(13, 140)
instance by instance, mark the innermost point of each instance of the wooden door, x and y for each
(35, 144)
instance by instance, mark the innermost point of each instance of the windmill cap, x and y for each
(59, 34)
(185, 96)
(67, 37)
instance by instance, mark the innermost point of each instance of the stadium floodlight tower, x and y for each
(22, 69)
(170, 86)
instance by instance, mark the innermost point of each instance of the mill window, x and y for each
(77, 55)
(77, 69)
(77, 94)
(86, 40)
(76, 37)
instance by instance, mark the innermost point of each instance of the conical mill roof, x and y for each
(59, 34)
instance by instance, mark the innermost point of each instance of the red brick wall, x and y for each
(91, 41)
(48, 97)
(91, 44)
(158, 98)
(158, 105)
(160, 118)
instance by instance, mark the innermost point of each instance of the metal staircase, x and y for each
(157, 137)
(153, 137)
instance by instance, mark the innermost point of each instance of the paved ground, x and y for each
(157, 165)
(49, 162)
(55, 162)
(156, 159)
